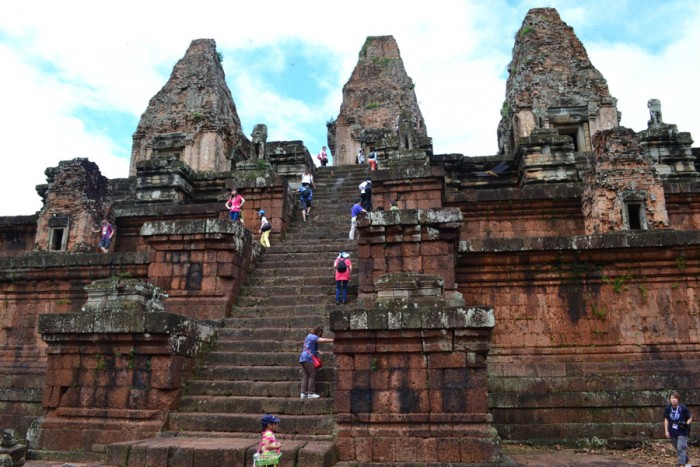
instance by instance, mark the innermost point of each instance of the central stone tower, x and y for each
(378, 100)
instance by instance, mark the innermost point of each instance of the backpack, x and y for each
(341, 266)
(305, 192)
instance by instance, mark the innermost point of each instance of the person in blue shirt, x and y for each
(308, 370)
(354, 212)
(677, 420)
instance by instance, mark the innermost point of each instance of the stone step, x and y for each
(224, 422)
(262, 373)
(321, 311)
(290, 295)
(262, 346)
(294, 247)
(327, 279)
(291, 321)
(313, 264)
(286, 300)
(296, 334)
(222, 357)
(255, 388)
(279, 406)
(207, 450)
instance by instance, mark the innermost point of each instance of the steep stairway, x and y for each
(254, 367)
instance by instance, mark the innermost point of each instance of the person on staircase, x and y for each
(305, 197)
(366, 194)
(264, 230)
(269, 449)
(354, 212)
(306, 359)
(308, 179)
(343, 268)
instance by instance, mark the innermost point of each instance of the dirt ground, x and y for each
(653, 453)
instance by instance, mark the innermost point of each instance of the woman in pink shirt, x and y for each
(343, 267)
(234, 204)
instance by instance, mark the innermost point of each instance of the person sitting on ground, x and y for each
(394, 206)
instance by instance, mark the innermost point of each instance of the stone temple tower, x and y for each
(193, 118)
(378, 100)
(552, 84)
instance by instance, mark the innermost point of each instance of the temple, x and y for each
(546, 293)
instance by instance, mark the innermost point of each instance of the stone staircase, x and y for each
(254, 367)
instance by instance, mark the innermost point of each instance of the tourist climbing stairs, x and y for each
(254, 368)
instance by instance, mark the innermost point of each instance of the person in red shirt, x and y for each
(343, 268)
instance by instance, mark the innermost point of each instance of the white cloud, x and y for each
(456, 52)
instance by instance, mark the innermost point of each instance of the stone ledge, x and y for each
(207, 226)
(615, 240)
(44, 260)
(403, 318)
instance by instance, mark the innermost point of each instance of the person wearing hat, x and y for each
(269, 447)
(343, 268)
(264, 229)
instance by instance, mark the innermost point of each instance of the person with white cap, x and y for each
(343, 268)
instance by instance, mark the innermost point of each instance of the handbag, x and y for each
(317, 361)
(266, 227)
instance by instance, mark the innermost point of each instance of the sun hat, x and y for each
(267, 419)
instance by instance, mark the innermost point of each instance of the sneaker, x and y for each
(303, 396)
(312, 395)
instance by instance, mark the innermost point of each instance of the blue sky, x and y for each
(76, 78)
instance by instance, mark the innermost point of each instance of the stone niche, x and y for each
(411, 383)
(76, 200)
(116, 368)
(623, 190)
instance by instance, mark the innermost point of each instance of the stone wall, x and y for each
(33, 285)
(420, 241)
(619, 307)
(116, 368)
(414, 364)
(200, 264)
(17, 235)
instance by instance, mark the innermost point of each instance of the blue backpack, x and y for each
(305, 192)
